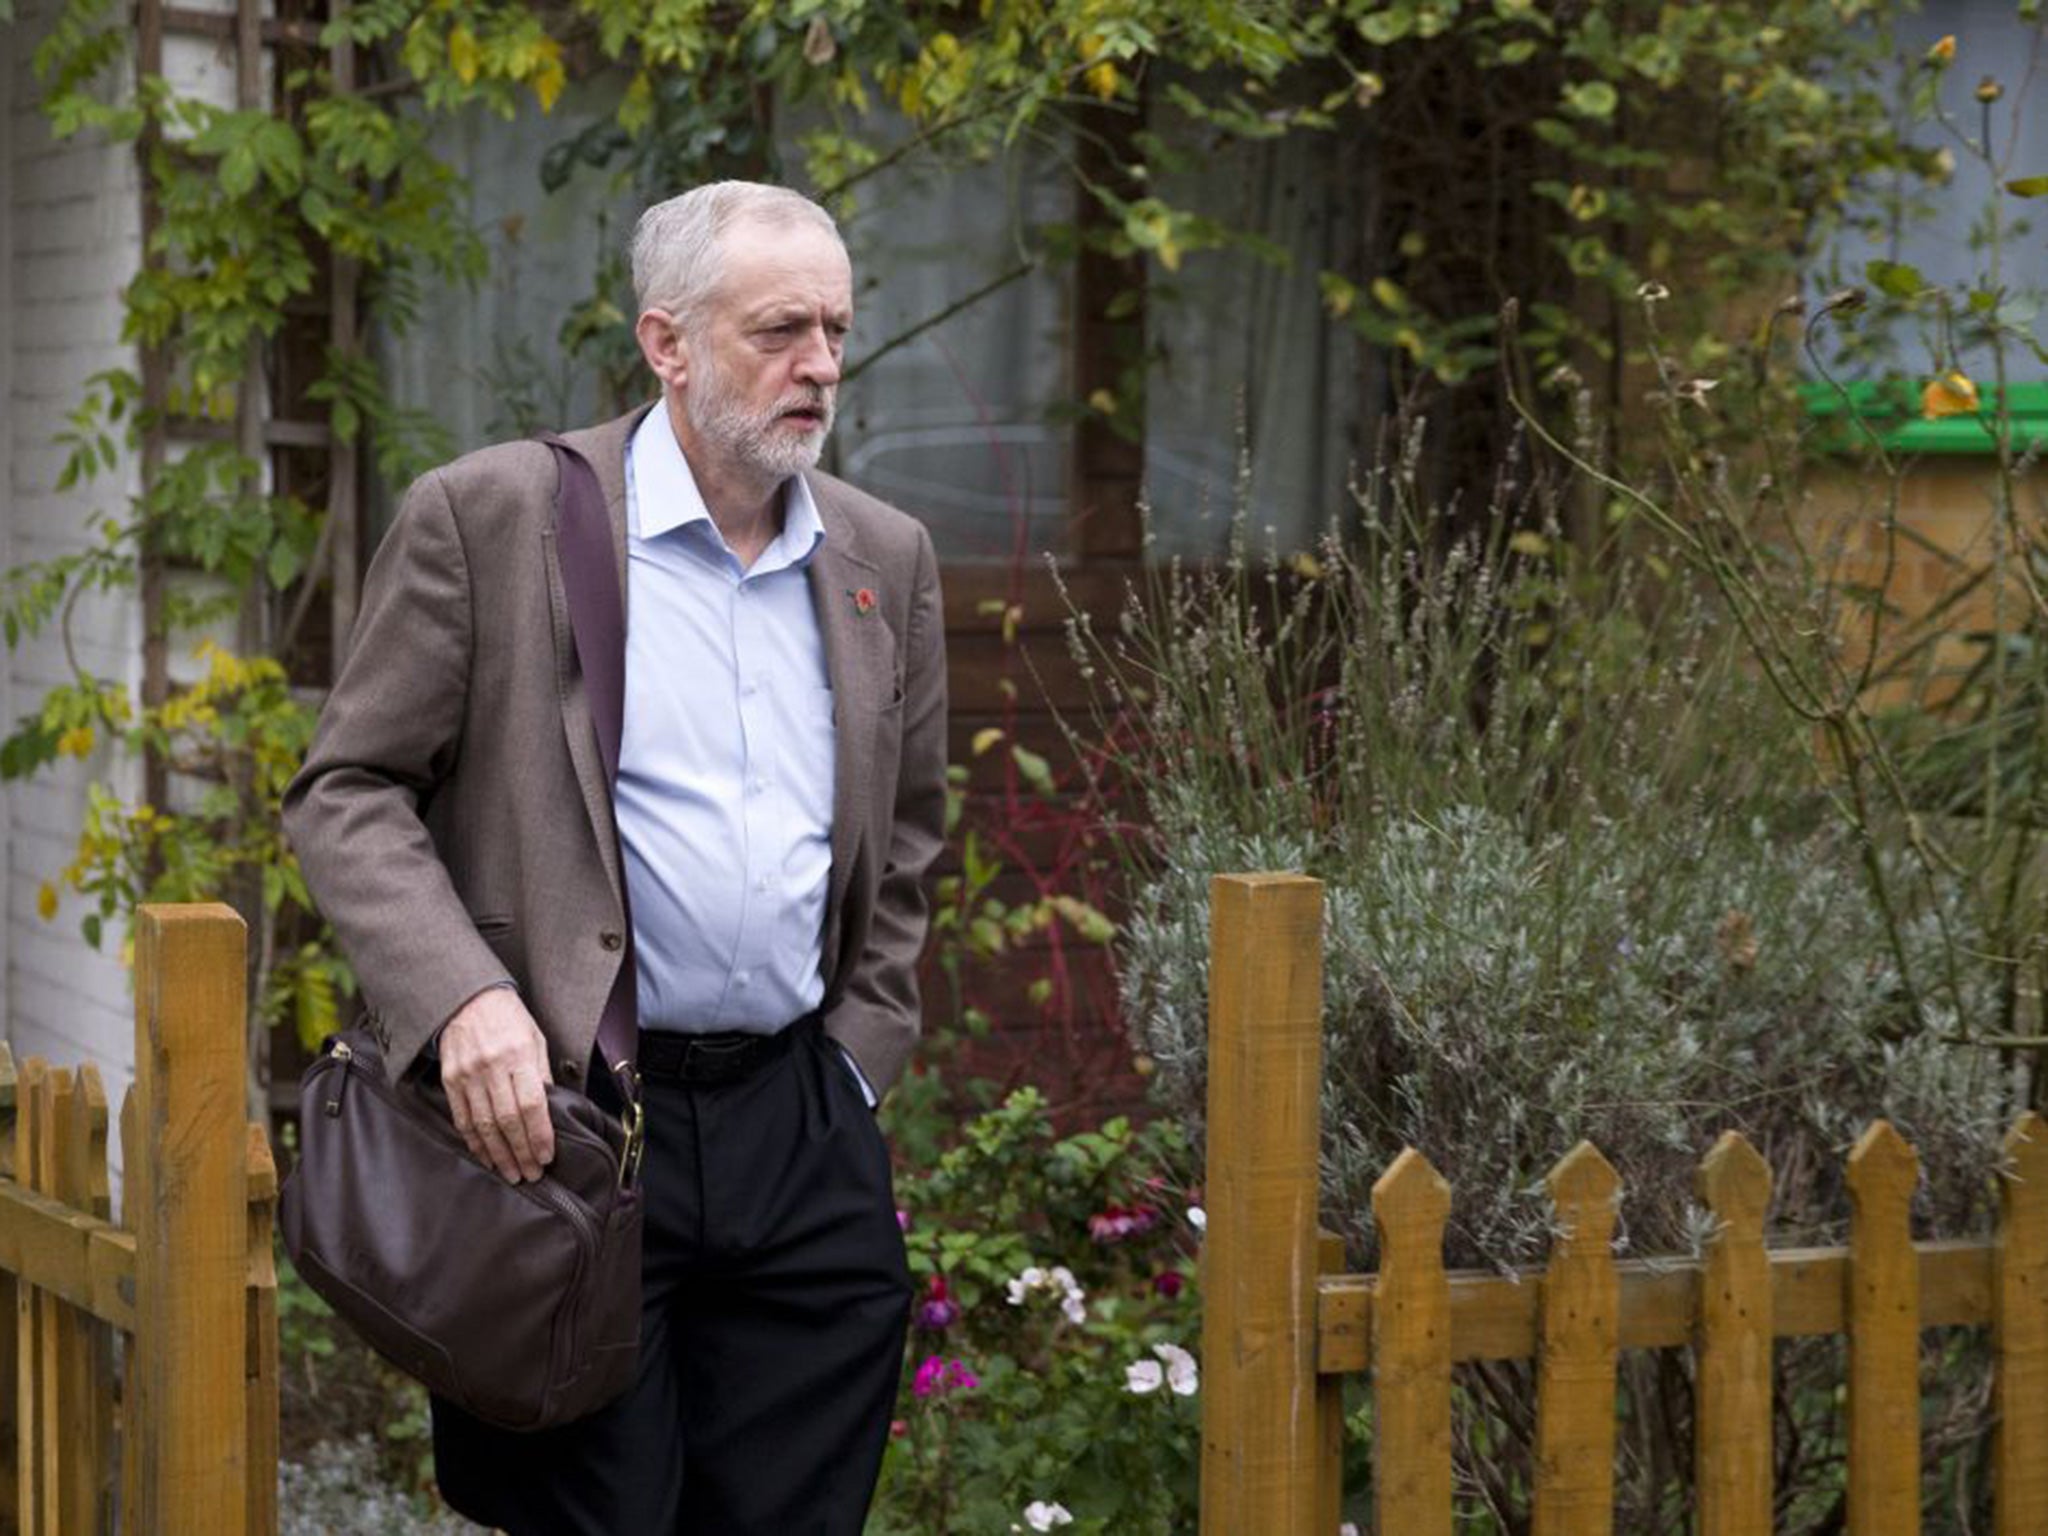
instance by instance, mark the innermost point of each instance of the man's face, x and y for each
(764, 361)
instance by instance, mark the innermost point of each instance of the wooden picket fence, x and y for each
(1282, 1325)
(143, 1352)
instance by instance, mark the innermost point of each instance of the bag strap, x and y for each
(597, 621)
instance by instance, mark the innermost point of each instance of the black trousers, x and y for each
(775, 1302)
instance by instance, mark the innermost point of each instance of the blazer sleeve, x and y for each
(387, 740)
(877, 1016)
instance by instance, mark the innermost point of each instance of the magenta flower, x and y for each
(938, 1376)
(1168, 1283)
(938, 1311)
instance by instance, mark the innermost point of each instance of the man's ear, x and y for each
(661, 343)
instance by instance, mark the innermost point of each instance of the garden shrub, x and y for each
(1581, 880)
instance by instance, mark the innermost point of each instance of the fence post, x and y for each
(1884, 1336)
(2019, 1334)
(191, 1260)
(1260, 1425)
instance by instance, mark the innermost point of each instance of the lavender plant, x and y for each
(1582, 880)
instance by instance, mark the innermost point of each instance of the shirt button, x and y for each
(761, 884)
(740, 979)
(760, 786)
(611, 938)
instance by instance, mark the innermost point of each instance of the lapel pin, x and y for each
(863, 601)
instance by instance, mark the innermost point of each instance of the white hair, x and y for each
(678, 259)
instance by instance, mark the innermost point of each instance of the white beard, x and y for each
(759, 442)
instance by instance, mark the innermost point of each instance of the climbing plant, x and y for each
(1562, 152)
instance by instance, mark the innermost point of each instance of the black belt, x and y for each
(725, 1056)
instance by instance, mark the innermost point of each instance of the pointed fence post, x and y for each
(2019, 1333)
(1884, 1337)
(1411, 1352)
(1577, 1352)
(1733, 1413)
(192, 1229)
(1260, 1439)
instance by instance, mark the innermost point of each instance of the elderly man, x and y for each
(780, 793)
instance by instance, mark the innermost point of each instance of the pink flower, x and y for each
(864, 601)
(1120, 1222)
(939, 1376)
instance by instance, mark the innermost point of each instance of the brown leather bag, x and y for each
(517, 1302)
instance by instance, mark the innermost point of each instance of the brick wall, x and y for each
(69, 241)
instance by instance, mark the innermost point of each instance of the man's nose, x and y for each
(818, 362)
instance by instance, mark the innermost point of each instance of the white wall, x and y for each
(70, 242)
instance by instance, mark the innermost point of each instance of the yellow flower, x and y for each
(1943, 51)
(1952, 394)
(46, 901)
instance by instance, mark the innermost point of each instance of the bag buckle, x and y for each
(635, 1118)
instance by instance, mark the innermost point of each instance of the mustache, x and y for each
(817, 398)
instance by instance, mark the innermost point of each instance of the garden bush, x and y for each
(1583, 879)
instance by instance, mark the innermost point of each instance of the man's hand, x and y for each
(494, 1066)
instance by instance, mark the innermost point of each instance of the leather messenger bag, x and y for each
(517, 1302)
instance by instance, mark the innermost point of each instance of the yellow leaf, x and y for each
(1529, 543)
(1169, 255)
(46, 901)
(986, 738)
(1388, 295)
(462, 54)
(1102, 400)
(1102, 80)
(549, 76)
(1952, 394)
(636, 107)
(76, 742)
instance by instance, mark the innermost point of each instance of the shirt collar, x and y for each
(664, 496)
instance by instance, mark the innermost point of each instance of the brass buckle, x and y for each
(635, 1118)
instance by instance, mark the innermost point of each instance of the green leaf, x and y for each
(2028, 186)
(1592, 98)
(90, 923)
(1034, 769)
(1898, 279)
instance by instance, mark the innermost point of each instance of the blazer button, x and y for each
(611, 938)
(568, 1070)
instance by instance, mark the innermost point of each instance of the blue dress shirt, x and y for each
(725, 771)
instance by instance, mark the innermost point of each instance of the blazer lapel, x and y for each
(605, 447)
(860, 661)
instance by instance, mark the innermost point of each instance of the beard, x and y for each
(760, 441)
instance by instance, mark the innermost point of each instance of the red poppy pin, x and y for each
(863, 601)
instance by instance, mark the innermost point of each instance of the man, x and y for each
(780, 795)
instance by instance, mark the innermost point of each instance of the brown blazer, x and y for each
(452, 817)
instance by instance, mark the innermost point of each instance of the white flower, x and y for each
(1178, 1372)
(1181, 1373)
(1347, 1529)
(1060, 1280)
(1198, 1218)
(1042, 1516)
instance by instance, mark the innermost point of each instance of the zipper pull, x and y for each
(345, 1056)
